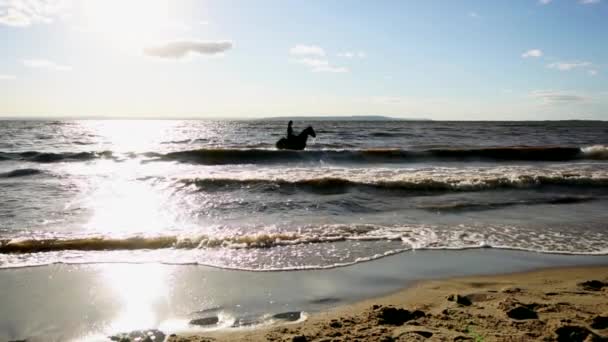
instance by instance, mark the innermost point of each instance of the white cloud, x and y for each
(307, 50)
(180, 49)
(473, 14)
(551, 96)
(313, 62)
(321, 65)
(23, 13)
(544, 2)
(532, 53)
(352, 54)
(567, 66)
(592, 72)
(589, 2)
(45, 64)
(7, 77)
(313, 57)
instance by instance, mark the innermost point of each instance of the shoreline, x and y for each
(95, 301)
(553, 303)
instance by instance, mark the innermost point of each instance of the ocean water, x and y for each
(218, 193)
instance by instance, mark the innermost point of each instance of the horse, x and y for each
(296, 142)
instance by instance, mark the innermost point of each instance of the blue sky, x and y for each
(445, 60)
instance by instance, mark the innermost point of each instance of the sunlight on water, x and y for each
(127, 207)
(120, 205)
(117, 203)
(132, 135)
(142, 292)
(218, 193)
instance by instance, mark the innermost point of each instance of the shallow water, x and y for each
(95, 301)
(217, 193)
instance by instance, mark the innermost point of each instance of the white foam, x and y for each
(457, 177)
(335, 245)
(596, 152)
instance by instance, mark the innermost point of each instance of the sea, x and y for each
(218, 193)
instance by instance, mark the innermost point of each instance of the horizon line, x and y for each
(273, 118)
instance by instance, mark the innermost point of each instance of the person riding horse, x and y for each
(289, 130)
(295, 142)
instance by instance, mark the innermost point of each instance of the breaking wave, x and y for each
(254, 156)
(263, 156)
(50, 157)
(410, 236)
(333, 185)
(20, 173)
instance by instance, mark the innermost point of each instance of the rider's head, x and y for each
(290, 123)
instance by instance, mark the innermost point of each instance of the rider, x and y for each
(290, 130)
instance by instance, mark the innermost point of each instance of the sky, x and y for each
(432, 59)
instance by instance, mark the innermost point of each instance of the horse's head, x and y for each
(310, 131)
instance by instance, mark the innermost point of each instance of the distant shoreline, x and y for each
(341, 118)
(273, 118)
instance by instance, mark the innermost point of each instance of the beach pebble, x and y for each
(522, 312)
(288, 316)
(246, 321)
(394, 316)
(573, 333)
(299, 338)
(461, 300)
(205, 321)
(593, 285)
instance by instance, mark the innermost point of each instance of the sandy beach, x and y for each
(558, 304)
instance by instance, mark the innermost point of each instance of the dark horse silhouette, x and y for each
(296, 142)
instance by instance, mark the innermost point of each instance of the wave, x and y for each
(22, 246)
(409, 237)
(479, 206)
(221, 156)
(254, 156)
(598, 152)
(21, 173)
(51, 157)
(337, 185)
(185, 141)
(84, 244)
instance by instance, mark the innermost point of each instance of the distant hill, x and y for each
(340, 118)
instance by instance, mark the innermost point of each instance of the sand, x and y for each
(563, 304)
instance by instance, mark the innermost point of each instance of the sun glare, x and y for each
(126, 22)
(142, 292)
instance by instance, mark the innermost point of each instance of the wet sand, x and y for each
(557, 304)
(93, 302)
